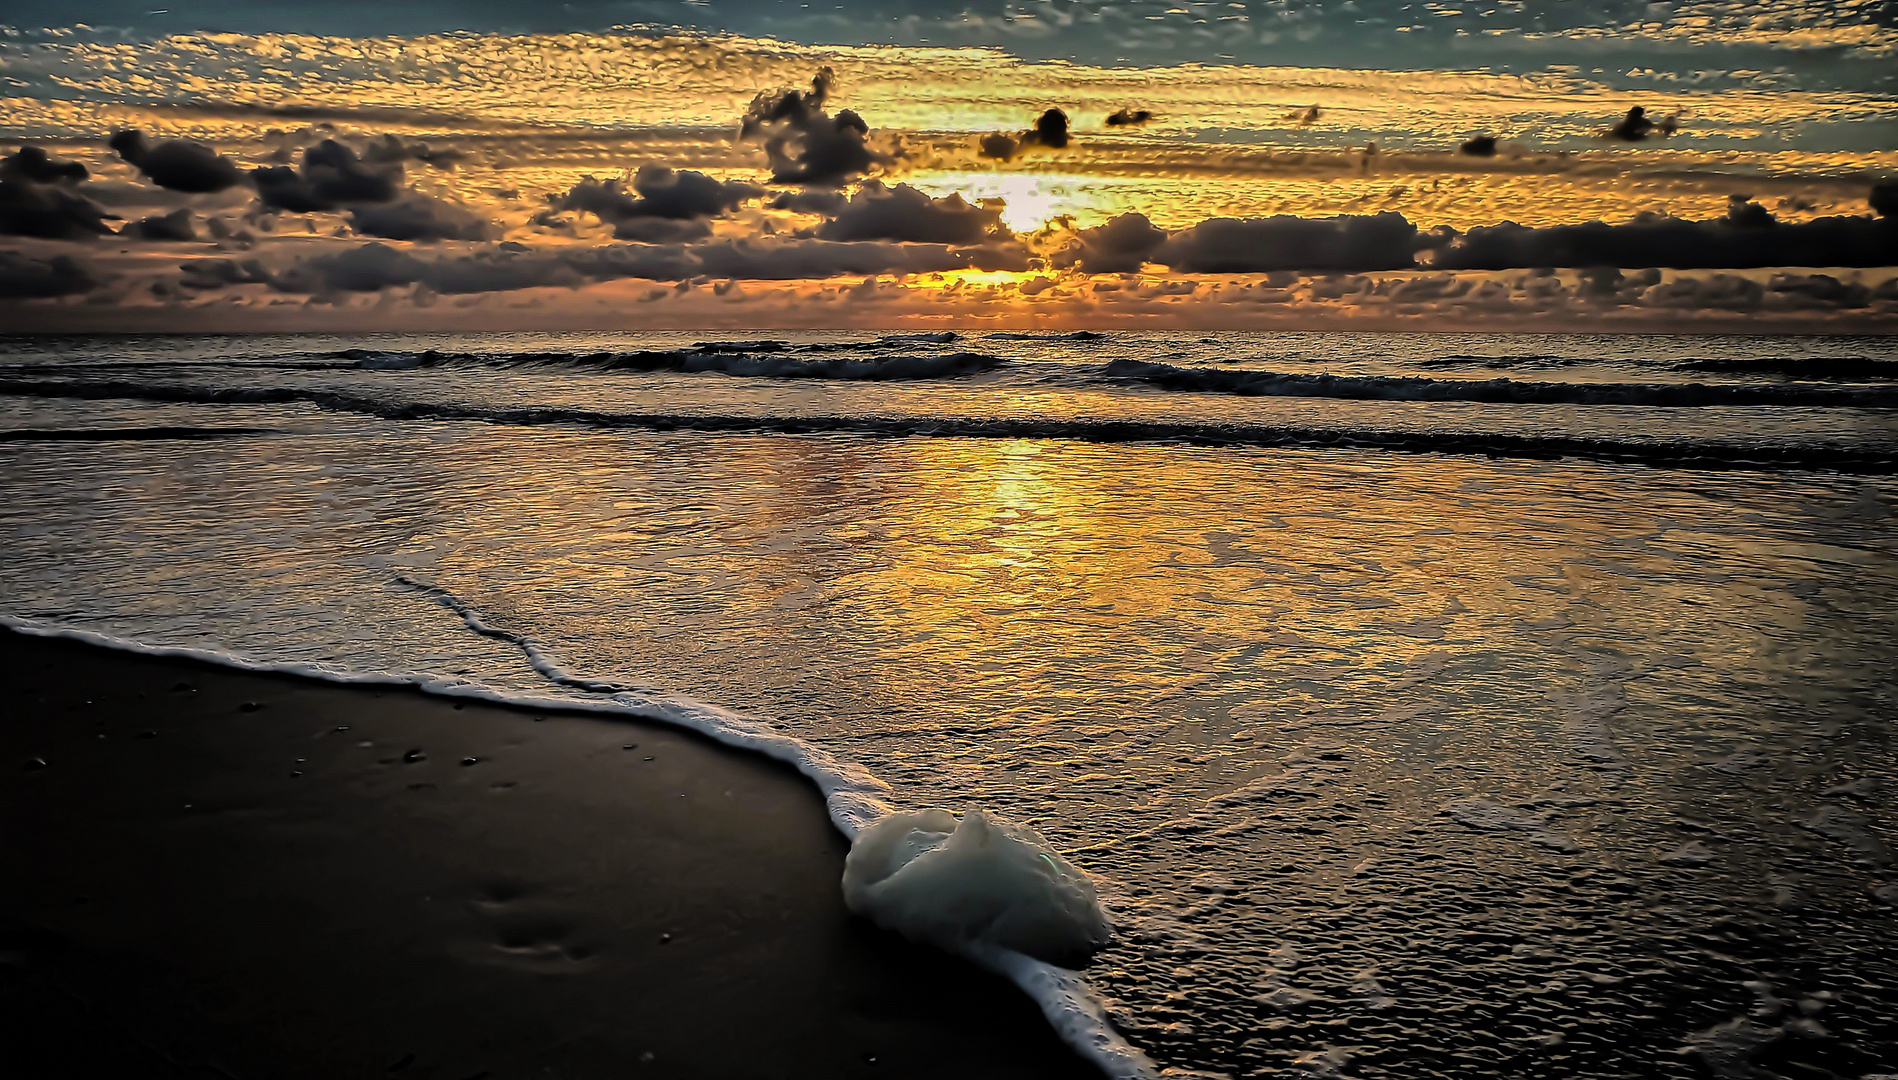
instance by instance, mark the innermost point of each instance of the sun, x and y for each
(1031, 200)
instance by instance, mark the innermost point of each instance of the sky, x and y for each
(1533, 164)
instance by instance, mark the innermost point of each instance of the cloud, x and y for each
(177, 164)
(331, 176)
(1747, 236)
(1345, 243)
(173, 226)
(48, 211)
(827, 203)
(420, 218)
(1122, 246)
(663, 205)
(375, 266)
(1637, 127)
(24, 277)
(905, 214)
(998, 146)
(1050, 130)
(807, 145)
(1127, 117)
(1884, 199)
(393, 149)
(35, 164)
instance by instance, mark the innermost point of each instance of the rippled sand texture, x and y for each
(1387, 765)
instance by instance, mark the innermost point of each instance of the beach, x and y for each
(218, 873)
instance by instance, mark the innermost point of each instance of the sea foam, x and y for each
(956, 884)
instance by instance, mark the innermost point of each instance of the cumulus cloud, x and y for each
(418, 217)
(662, 205)
(905, 214)
(34, 164)
(393, 149)
(1747, 236)
(375, 266)
(1884, 199)
(822, 202)
(1121, 246)
(1050, 130)
(1127, 117)
(1636, 126)
(807, 145)
(48, 211)
(177, 164)
(173, 226)
(331, 176)
(24, 277)
(1345, 243)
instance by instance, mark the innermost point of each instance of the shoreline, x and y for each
(223, 879)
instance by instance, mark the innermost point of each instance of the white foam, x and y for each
(855, 799)
(955, 883)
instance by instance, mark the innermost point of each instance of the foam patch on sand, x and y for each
(992, 864)
(961, 883)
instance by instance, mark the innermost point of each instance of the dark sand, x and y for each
(208, 878)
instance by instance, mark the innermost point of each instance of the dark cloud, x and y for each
(1747, 236)
(48, 212)
(826, 203)
(1636, 126)
(1121, 246)
(1479, 146)
(208, 274)
(394, 149)
(331, 176)
(173, 226)
(1343, 244)
(24, 277)
(418, 217)
(663, 205)
(905, 214)
(36, 165)
(1050, 130)
(1126, 117)
(792, 259)
(807, 145)
(177, 164)
(1884, 199)
(376, 266)
(999, 146)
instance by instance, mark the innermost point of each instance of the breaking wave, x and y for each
(1493, 391)
(1705, 454)
(757, 360)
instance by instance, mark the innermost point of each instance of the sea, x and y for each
(1422, 705)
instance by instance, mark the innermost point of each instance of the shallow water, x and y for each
(1388, 764)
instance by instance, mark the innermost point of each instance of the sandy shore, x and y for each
(210, 873)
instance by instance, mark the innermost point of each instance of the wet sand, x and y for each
(221, 874)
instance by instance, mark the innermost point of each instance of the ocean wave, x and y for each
(1503, 360)
(1050, 335)
(1660, 453)
(938, 337)
(742, 359)
(1800, 367)
(1493, 391)
(130, 434)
